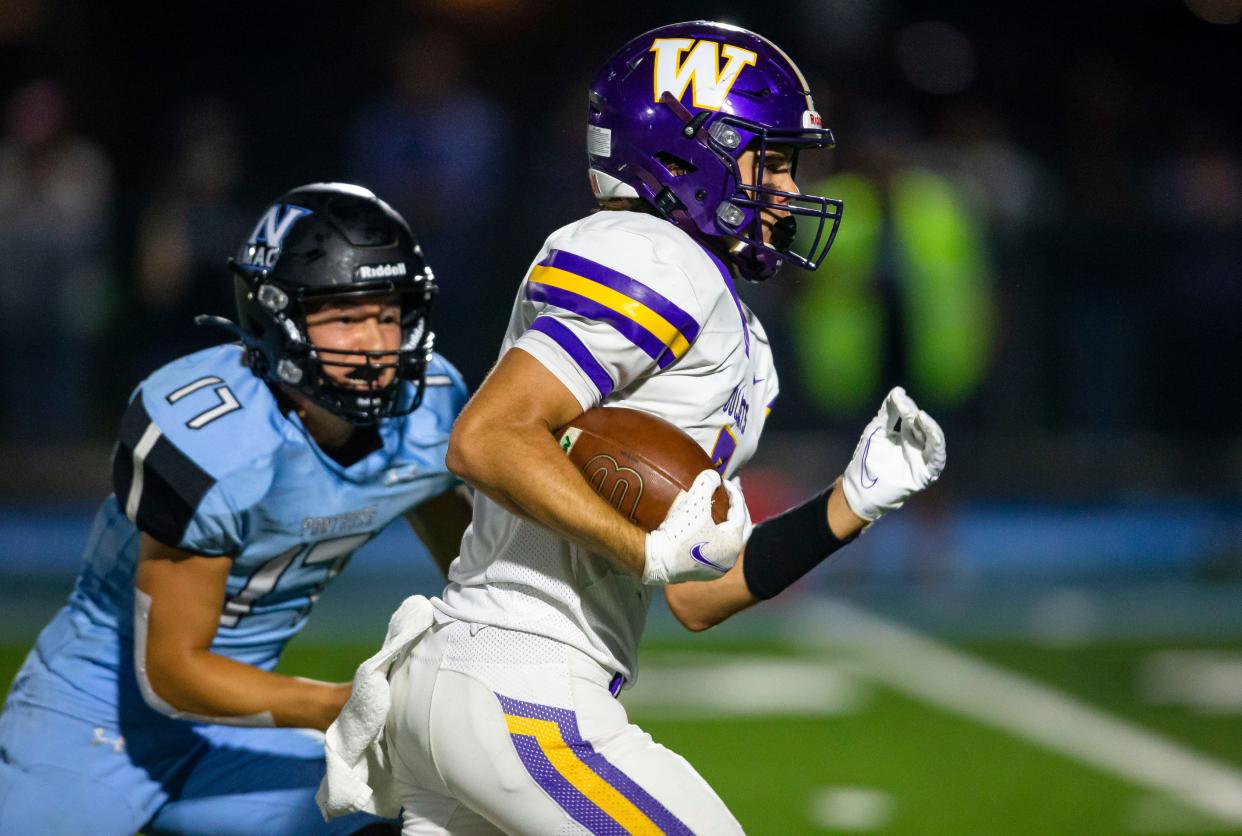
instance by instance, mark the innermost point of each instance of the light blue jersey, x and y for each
(208, 462)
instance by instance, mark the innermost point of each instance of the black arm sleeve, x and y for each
(783, 549)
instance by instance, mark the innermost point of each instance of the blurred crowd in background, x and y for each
(1043, 206)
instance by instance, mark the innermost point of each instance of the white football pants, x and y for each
(492, 730)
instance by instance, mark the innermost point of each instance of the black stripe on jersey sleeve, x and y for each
(122, 472)
(133, 424)
(173, 485)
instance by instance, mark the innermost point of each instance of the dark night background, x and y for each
(1071, 318)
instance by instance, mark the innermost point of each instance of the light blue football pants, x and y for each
(65, 769)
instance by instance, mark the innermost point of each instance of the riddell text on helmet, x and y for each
(381, 271)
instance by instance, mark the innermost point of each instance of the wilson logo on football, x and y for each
(710, 83)
(621, 486)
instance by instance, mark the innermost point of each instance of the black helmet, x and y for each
(333, 240)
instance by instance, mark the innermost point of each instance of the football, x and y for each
(636, 461)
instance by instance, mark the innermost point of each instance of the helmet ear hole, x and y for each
(675, 165)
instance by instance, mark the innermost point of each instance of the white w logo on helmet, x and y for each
(701, 68)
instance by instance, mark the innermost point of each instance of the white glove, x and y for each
(688, 545)
(901, 452)
(734, 486)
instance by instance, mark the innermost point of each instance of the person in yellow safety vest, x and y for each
(912, 251)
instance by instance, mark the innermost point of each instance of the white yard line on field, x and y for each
(954, 681)
(679, 686)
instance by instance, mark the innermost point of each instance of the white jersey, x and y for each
(624, 309)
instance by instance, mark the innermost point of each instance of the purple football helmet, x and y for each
(674, 110)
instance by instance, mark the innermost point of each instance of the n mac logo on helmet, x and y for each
(701, 69)
(276, 223)
(271, 229)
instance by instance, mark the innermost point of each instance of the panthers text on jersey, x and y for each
(624, 309)
(209, 463)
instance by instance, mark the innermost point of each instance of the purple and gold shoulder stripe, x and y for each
(574, 347)
(642, 315)
(594, 792)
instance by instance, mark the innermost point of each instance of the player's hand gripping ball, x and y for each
(659, 478)
(691, 546)
(901, 452)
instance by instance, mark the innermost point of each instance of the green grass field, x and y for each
(813, 740)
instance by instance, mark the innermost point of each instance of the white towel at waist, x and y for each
(358, 777)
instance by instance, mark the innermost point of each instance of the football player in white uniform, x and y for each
(503, 714)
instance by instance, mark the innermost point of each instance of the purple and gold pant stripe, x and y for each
(643, 316)
(596, 794)
(574, 347)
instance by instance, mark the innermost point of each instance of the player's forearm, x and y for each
(519, 465)
(699, 605)
(208, 685)
(842, 521)
(177, 603)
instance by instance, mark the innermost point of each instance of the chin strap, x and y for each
(783, 232)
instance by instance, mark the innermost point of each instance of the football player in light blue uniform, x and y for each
(245, 477)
